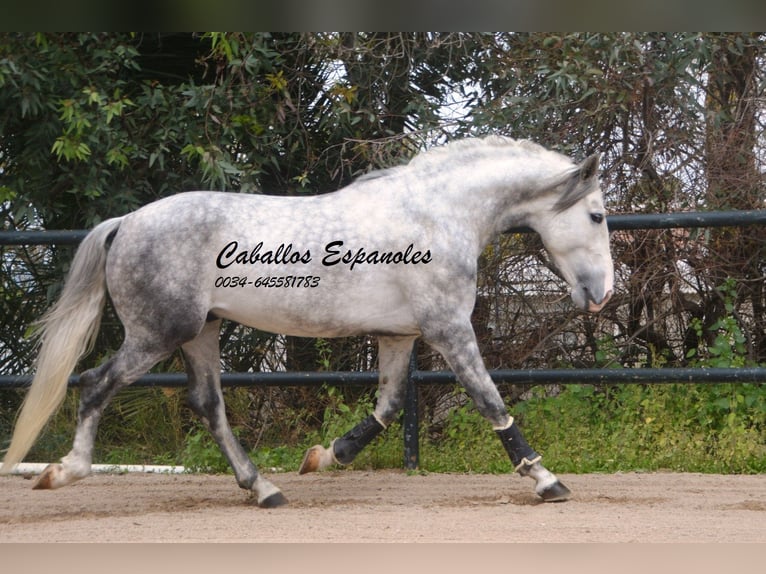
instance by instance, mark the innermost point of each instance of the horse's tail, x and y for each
(65, 333)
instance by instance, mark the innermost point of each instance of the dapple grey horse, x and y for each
(393, 255)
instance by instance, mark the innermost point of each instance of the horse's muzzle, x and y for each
(595, 307)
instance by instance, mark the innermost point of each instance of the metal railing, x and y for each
(417, 377)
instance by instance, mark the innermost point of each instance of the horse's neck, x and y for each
(491, 200)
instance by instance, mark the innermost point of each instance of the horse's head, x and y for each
(574, 232)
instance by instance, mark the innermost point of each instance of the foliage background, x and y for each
(93, 125)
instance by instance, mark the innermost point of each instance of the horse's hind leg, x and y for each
(202, 359)
(99, 385)
(393, 359)
(458, 346)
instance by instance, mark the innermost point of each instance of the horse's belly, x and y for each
(310, 312)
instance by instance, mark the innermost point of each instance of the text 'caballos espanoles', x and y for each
(334, 253)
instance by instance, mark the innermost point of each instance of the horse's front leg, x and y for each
(457, 344)
(527, 463)
(393, 358)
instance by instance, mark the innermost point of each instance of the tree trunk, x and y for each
(733, 180)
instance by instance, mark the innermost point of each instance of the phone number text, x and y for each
(278, 282)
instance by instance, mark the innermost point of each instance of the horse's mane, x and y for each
(466, 146)
(439, 154)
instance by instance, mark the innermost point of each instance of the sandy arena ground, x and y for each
(387, 506)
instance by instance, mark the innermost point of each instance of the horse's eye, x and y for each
(597, 217)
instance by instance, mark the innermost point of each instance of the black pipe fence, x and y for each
(615, 222)
(416, 377)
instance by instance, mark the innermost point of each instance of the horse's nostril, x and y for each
(589, 296)
(595, 307)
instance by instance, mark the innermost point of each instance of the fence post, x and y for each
(411, 443)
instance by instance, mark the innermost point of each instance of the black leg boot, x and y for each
(351, 444)
(524, 459)
(522, 455)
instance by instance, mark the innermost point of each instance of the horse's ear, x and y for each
(575, 191)
(589, 168)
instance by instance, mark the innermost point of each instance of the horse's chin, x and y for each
(586, 304)
(594, 307)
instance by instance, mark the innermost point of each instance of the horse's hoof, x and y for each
(556, 492)
(56, 475)
(310, 461)
(316, 458)
(47, 479)
(275, 500)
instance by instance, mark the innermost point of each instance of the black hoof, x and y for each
(556, 492)
(275, 500)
